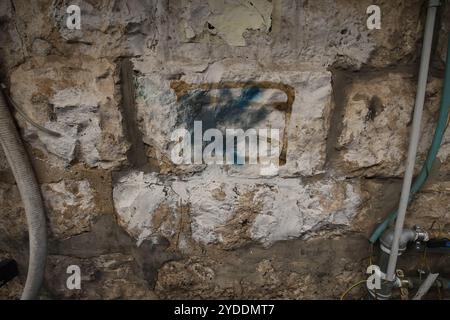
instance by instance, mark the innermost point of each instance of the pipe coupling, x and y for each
(407, 236)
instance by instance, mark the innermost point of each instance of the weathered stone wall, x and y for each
(141, 227)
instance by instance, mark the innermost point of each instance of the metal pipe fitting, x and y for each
(414, 139)
(386, 241)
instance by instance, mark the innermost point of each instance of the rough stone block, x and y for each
(70, 207)
(376, 124)
(76, 98)
(232, 211)
(238, 96)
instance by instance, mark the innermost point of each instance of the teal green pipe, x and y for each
(432, 152)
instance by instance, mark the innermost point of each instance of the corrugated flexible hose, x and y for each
(31, 198)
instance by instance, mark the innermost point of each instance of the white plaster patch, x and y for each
(77, 99)
(294, 209)
(289, 208)
(306, 124)
(136, 198)
(77, 126)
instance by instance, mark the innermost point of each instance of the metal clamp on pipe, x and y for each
(407, 236)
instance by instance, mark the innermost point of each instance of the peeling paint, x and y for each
(233, 18)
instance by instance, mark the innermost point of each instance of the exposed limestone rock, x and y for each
(217, 231)
(12, 290)
(335, 33)
(233, 211)
(76, 99)
(376, 123)
(146, 206)
(293, 209)
(304, 99)
(41, 47)
(230, 19)
(108, 28)
(367, 139)
(111, 276)
(401, 29)
(195, 273)
(70, 207)
(24, 22)
(280, 272)
(431, 206)
(318, 33)
(13, 224)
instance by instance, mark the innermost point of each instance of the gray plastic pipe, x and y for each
(31, 199)
(415, 135)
